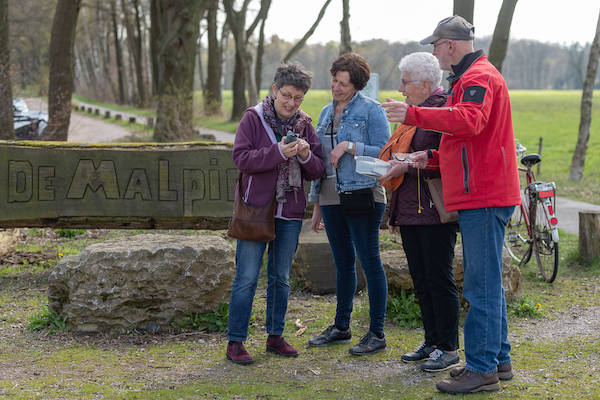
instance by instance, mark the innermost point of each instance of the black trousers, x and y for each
(430, 252)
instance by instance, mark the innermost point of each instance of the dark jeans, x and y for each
(351, 235)
(430, 251)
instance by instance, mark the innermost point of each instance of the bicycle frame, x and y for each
(545, 194)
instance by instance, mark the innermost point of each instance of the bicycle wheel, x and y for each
(516, 239)
(546, 249)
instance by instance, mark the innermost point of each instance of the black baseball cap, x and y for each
(453, 28)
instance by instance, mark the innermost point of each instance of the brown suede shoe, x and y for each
(504, 372)
(277, 345)
(469, 382)
(238, 354)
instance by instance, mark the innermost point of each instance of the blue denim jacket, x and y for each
(364, 123)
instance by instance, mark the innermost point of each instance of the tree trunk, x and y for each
(6, 108)
(154, 37)
(589, 236)
(345, 42)
(238, 89)
(585, 121)
(179, 22)
(237, 22)
(134, 41)
(118, 52)
(499, 43)
(296, 48)
(464, 8)
(60, 90)
(212, 88)
(260, 51)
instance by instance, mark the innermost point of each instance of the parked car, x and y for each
(28, 124)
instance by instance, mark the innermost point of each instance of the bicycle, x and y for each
(533, 227)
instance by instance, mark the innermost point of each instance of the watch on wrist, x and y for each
(350, 147)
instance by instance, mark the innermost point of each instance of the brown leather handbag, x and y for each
(435, 189)
(251, 223)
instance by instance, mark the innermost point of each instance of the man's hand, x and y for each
(419, 159)
(395, 110)
(289, 150)
(398, 168)
(303, 149)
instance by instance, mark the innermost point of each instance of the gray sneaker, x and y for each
(440, 360)
(331, 335)
(368, 344)
(421, 353)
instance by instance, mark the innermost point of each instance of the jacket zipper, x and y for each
(465, 166)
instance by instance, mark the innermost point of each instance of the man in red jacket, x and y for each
(477, 161)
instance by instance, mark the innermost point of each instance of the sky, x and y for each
(556, 21)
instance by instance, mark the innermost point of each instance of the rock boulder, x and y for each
(141, 282)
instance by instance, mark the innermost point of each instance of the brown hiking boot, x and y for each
(469, 382)
(276, 344)
(504, 372)
(238, 354)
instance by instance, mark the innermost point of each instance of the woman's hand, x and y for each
(419, 159)
(289, 150)
(338, 152)
(398, 168)
(316, 223)
(303, 149)
(393, 228)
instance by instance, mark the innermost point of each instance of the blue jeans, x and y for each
(348, 236)
(486, 328)
(248, 260)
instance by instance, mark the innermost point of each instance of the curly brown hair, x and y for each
(356, 66)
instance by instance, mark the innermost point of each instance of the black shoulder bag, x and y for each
(357, 201)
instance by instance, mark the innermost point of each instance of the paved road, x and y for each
(567, 212)
(219, 136)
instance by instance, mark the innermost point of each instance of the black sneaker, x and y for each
(331, 335)
(369, 344)
(421, 353)
(440, 360)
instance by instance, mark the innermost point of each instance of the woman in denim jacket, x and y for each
(351, 125)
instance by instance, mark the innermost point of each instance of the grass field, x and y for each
(548, 114)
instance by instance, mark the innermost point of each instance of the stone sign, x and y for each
(182, 186)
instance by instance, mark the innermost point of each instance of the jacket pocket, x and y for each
(465, 167)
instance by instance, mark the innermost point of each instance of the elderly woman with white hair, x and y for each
(428, 243)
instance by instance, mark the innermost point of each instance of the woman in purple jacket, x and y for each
(428, 244)
(272, 167)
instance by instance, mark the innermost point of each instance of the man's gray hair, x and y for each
(292, 74)
(422, 66)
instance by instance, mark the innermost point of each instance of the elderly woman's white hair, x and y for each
(422, 66)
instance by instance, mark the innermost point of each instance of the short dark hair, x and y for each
(356, 66)
(292, 74)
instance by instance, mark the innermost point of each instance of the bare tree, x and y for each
(499, 44)
(62, 59)
(585, 121)
(345, 42)
(307, 35)
(464, 8)
(243, 75)
(212, 87)
(118, 53)
(6, 108)
(134, 40)
(178, 25)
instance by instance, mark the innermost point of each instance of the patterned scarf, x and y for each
(289, 176)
